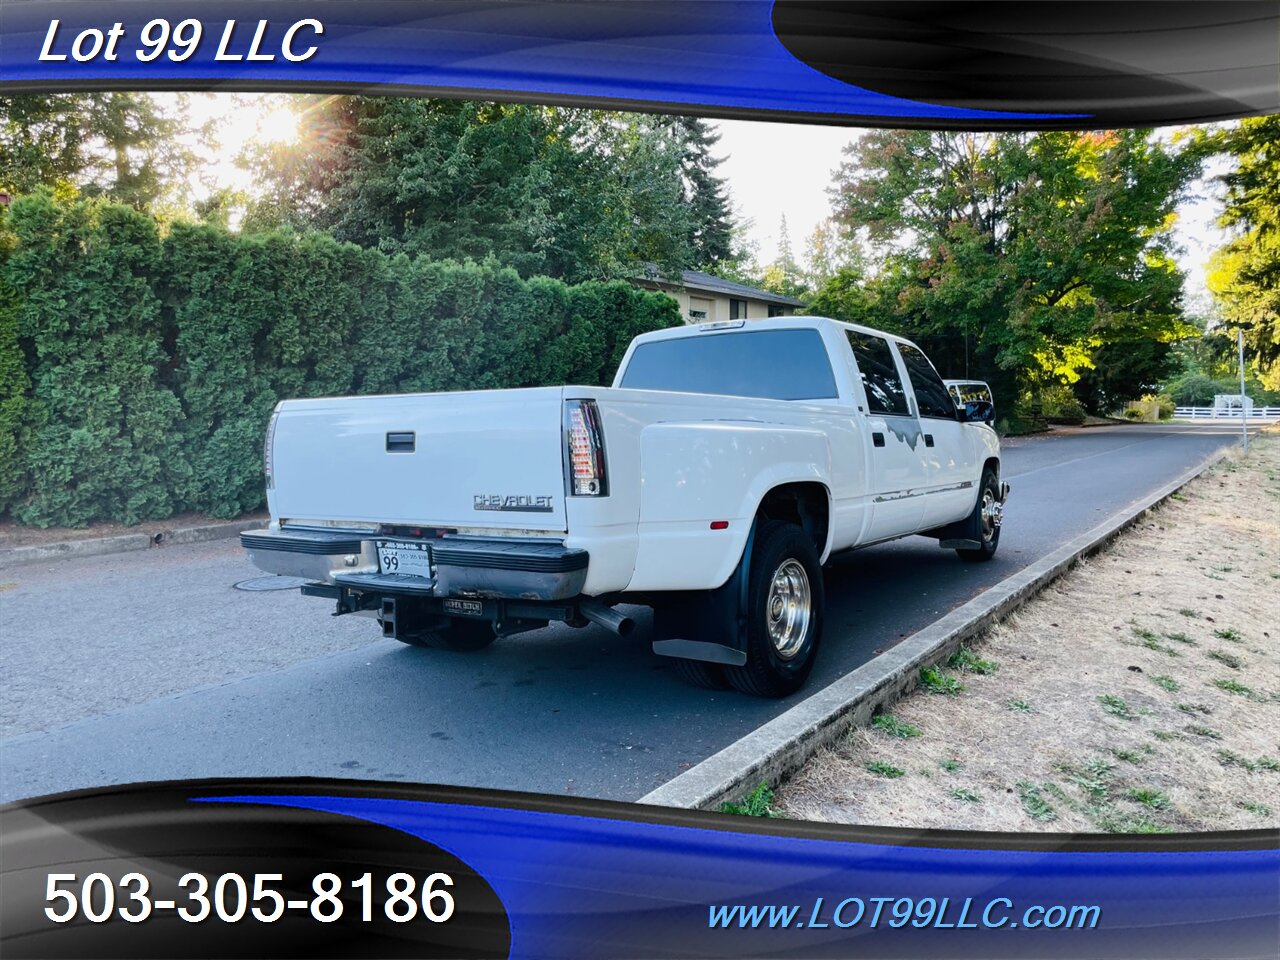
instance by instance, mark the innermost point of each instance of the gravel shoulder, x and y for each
(1139, 693)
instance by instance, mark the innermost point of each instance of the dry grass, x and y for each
(1141, 692)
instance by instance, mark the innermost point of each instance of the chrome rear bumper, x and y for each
(480, 567)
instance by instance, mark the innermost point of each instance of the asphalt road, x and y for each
(150, 665)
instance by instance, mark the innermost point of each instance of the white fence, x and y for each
(1208, 413)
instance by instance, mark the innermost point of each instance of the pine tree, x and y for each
(784, 275)
(711, 230)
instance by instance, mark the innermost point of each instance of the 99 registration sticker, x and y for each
(404, 557)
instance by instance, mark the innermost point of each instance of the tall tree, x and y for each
(124, 146)
(638, 163)
(710, 229)
(783, 275)
(1019, 256)
(42, 141)
(568, 193)
(1244, 275)
(832, 248)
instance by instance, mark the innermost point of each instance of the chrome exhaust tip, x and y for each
(608, 618)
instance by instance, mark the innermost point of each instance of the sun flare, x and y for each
(278, 126)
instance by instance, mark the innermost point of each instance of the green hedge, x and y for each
(137, 372)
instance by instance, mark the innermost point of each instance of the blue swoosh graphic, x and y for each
(577, 885)
(661, 52)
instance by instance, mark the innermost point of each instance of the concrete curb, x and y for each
(98, 546)
(781, 746)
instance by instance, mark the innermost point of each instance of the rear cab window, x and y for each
(768, 364)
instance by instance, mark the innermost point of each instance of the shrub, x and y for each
(107, 445)
(153, 365)
(254, 320)
(1198, 390)
(1194, 390)
(16, 411)
(1061, 406)
(1163, 403)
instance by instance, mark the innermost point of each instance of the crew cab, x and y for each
(725, 465)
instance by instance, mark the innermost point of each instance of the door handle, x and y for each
(877, 439)
(928, 439)
(401, 441)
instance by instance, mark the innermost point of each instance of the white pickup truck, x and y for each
(712, 481)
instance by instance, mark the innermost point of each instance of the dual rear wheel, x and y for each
(785, 602)
(984, 522)
(784, 620)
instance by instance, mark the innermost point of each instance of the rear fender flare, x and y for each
(747, 460)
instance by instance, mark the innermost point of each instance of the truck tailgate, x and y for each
(488, 459)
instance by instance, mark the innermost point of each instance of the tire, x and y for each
(984, 529)
(785, 604)
(460, 636)
(698, 673)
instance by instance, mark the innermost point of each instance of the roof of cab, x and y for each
(772, 323)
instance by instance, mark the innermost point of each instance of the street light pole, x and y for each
(1244, 418)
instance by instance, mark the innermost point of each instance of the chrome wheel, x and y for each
(991, 508)
(788, 608)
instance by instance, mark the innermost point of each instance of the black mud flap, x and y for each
(961, 531)
(707, 625)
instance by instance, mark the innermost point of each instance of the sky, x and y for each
(776, 169)
(772, 169)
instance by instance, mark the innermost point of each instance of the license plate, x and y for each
(406, 559)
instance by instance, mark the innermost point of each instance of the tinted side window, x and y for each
(777, 364)
(879, 374)
(931, 393)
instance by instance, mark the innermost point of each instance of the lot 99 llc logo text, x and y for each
(181, 41)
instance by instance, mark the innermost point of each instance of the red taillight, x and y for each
(268, 454)
(584, 448)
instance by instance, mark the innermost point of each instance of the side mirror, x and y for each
(976, 411)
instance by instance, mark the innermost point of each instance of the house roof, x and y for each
(705, 281)
(697, 280)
